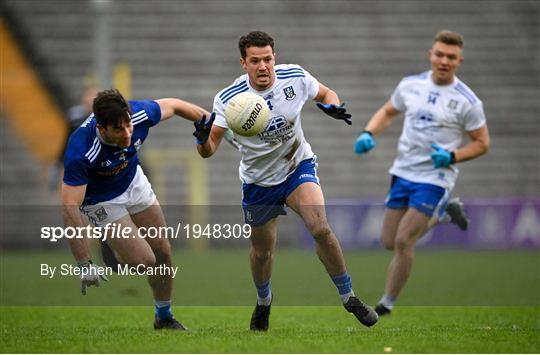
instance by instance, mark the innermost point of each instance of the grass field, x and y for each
(464, 302)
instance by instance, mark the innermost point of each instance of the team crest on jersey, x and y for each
(137, 145)
(289, 93)
(101, 214)
(452, 104)
(122, 156)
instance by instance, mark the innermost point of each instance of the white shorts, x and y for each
(137, 197)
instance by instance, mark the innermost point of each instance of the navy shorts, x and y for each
(261, 204)
(427, 198)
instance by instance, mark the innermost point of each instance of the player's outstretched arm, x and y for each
(328, 102)
(382, 119)
(378, 123)
(187, 110)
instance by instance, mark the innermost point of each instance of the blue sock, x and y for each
(264, 293)
(344, 285)
(163, 309)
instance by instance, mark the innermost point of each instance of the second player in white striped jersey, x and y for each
(440, 110)
(434, 114)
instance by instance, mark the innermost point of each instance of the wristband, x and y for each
(453, 158)
(84, 262)
(368, 132)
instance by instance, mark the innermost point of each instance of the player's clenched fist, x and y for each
(364, 143)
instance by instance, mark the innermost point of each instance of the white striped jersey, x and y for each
(269, 157)
(433, 114)
(107, 170)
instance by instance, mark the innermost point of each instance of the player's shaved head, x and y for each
(449, 37)
(110, 108)
(254, 39)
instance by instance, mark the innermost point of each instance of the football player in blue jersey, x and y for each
(103, 179)
(278, 168)
(439, 111)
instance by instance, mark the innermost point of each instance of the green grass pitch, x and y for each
(455, 302)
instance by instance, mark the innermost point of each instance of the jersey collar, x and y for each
(102, 141)
(264, 92)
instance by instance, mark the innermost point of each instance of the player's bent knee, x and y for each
(321, 233)
(404, 243)
(147, 260)
(162, 253)
(262, 256)
(388, 243)
(163, 256)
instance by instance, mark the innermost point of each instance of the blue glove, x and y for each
(202, 128)
(441, 157)
(337, 112)
(364, 143)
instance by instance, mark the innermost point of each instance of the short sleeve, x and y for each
(219, 109)
(474, 118)
(76, 171)
(153, 111)
(397, 98)
(312, 85)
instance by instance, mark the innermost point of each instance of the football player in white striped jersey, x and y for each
(278, 168)
(439, 111)
(104, 180)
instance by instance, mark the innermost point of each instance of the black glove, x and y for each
(203, 127)
(337, 112)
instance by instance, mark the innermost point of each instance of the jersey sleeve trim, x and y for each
(219, 124)
(233, 90)
(93, 152)
(468, 94)
(139, 117)
(290, 73)
(71, 183)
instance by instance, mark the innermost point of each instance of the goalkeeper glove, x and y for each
(441, 157)
(203, 127)
(90, 275)
(337, 112)
(364, 143)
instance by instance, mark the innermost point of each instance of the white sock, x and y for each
(265, 301)
(345, 297)
(445, 218)
(387, 301)
(161, 304)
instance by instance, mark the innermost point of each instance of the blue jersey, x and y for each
(107, 170)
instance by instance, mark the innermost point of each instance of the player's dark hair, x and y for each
(449, 37)
(110, 108)
(254, 39)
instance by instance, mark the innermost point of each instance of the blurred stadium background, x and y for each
(188, 49)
